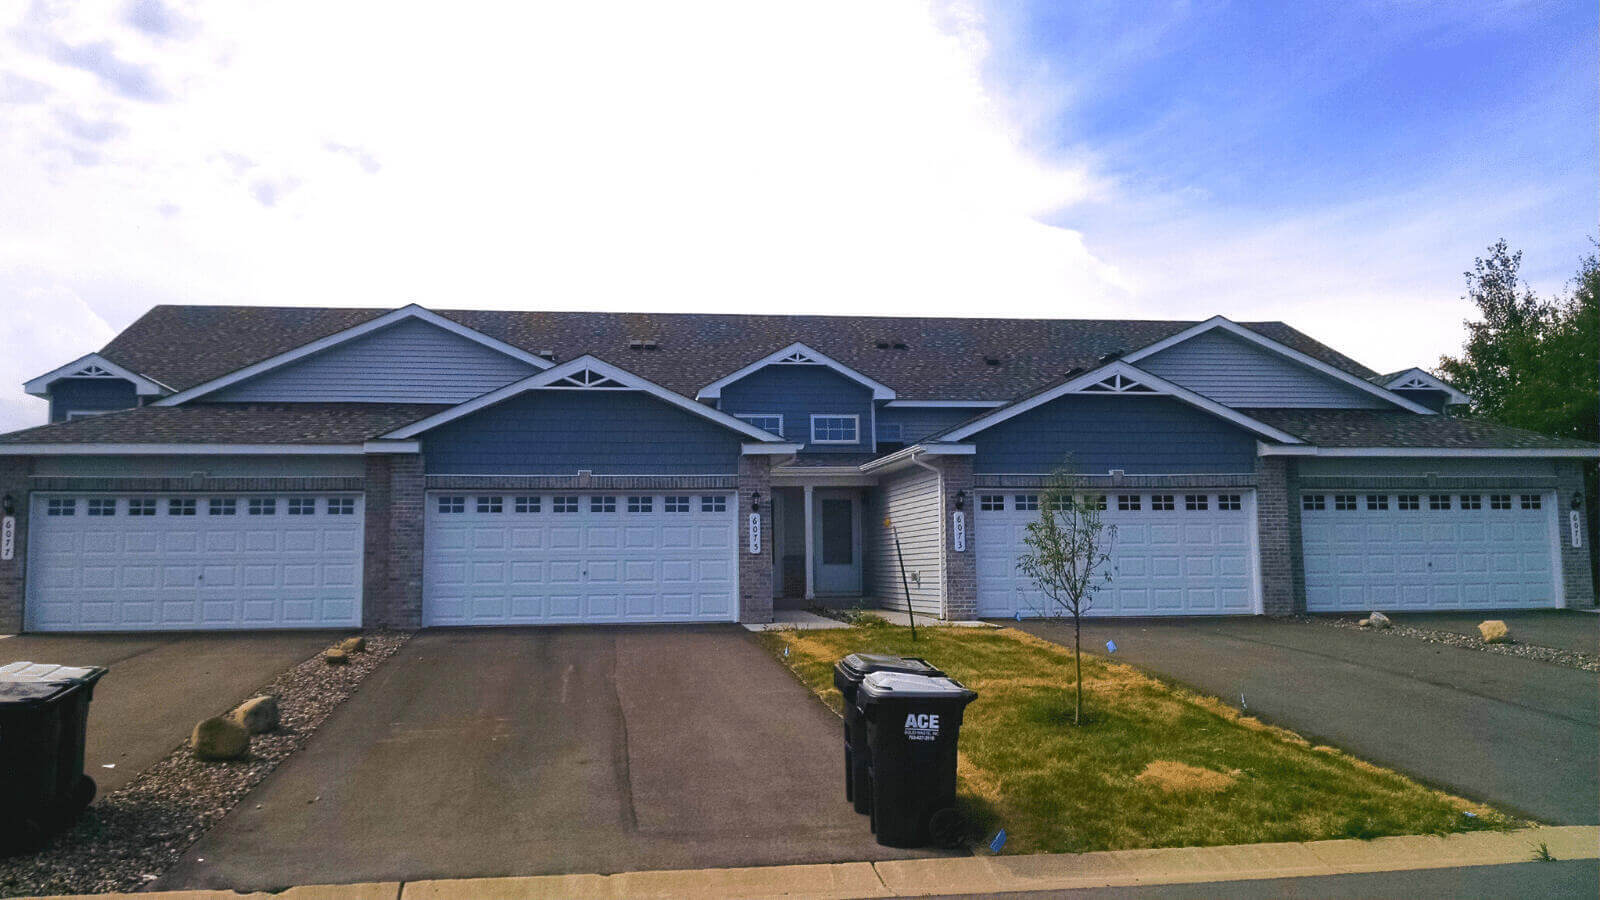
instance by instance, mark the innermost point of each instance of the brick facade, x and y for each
(755, 569)
(15, 472)
(1278, 529)
(960, 567)
(392, 593)
(1576, 574)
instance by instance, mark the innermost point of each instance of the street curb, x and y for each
(975, 875)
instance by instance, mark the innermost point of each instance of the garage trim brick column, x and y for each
(15, 472)
(1577, 578)
(755, 569)
(960, 568)
(394, 508)
(1278, 538)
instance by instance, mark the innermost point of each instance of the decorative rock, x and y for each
(216, 739)
(1494, 631)
(1364, 623)
(257, 714)
(355, 644)
(336, 657)
(1379, 620)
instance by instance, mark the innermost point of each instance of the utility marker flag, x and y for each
(1111, 646)
(998, 842)
(786, 652)
(1019, 615)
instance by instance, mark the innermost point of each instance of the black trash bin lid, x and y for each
(902, 685)
(33, 684)
(861, 664)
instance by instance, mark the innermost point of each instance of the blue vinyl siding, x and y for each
(84, 394)
(797, 392)
(917, 422)
(558, 432)
(1140, 435)
(1234, 372)
(408, 362)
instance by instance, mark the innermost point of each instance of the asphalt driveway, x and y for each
(482, 752)
(1518, 734)
(160, 685)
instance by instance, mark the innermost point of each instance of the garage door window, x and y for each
(1408, 501)
(1162, 503)
(1129, 502)
(341, 506)
(641, 504)
(1229, 502)
(1313, 501)
(1438, 501)
(181, 506)
(1026, 501)
(1530, 501)
(601, 504)
(222, 506)
(102, 506)
(1499, 501)
(62, 506)
(527, 505)
(263, 506)
(992, 502)
(676, 504)
(565, 504)
(1344, 502)
(450, 505)
(716, 503)
(491, 505)
(142, 506)
(302, 506)
(1471, 501)
(1377, 501)
(1195, 502)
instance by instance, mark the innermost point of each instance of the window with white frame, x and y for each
(302, 506)
(602, 503)
(341, 506)
(1408, 502)
(835, 429)
(641, 504)
(714, 503)
(1230, 502)
(1499, 501)
(142, 506)
(1161, 502)
(1472, 501)
(1129, 502)
(181, 506)
(487, 504)
(1095, 501)
(102, 506)
(61, 506)
(1530, 501)
(1377, 502)
(765, 421)
(1195, 502)
(1438, 501)
(452, 504)
(527, 504)
(263, 506)
(676, 504)
(1025, 502)
(222, 506)
(564, 503)
(991, 502)
(1313, 501)
(1344, 502)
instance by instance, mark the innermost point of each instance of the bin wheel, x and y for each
(83, 793)
(947, 827)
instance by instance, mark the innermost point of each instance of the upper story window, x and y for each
(832, 429)
(765, 421)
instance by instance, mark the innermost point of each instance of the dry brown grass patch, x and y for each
(1182, 778)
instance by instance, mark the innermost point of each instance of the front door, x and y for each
(837, 543)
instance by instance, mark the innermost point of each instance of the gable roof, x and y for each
(283, 425)
(594, 374)
(1415, 379)
(1359, 382)
(797, 354)
(350, 333)
(944, 359)
(1396, 430)
(93, 365)
(1115, 378)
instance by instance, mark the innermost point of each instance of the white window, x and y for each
(142, 506)
(263, 506)
(1438, 501)
(832, 429)
(222, 506)
(1377, 501)
(564, 504)
(180, 506)
(102, 506)
(1499, 501)
(714, 503)
(677, 504)
(1128, 502)
(527, 504)
(1162, 502)
(1472, 501)
(1344, 502)
(765, 421)
(1095, 501)
(341, 506)
(991, 502)
(1530, 501)
(1408, 501)
(602, 504)
(302, 506)
(641, 504)
(452, 504)
(1313, 501)
(1195, 502)
(491, 504)
(61, 506)
(1229, 502)
(1026, 502)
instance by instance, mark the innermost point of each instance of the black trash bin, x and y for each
(847, 675)
(44, 711)
(913, 726)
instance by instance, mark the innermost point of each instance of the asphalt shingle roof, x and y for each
(1382, 428)
(943, 359)
(232, 423)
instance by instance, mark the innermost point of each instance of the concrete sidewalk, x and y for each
(983, 874)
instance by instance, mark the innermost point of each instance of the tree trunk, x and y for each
(1077, 658)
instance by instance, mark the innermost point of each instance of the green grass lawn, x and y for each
(1153, 765)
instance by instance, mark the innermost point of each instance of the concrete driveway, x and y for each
(160, 685)
(1521, 735)
(550, 750)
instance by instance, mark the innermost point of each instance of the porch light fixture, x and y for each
(1577, 501)
(961, 499)
(755, 501)
(8, 505)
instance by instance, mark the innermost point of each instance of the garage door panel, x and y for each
(1194, 559)
(601, 558)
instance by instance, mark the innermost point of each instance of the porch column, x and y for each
(811, 592)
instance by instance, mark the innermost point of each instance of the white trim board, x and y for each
(1266, 343)
(142, 386)
(1419, 380)
(1120, 369)
(584, 367)
(811, 436)
(412, 311)
(209, 449)
(1441, 452)
(713, 391)
(945, 404)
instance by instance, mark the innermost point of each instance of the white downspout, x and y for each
(943, 571)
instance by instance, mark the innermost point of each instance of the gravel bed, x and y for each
(130, 837)
(1588, 662)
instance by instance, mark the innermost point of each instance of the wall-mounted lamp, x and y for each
(755, 501)
(1577, 500)
(8, 505)
(961, 499)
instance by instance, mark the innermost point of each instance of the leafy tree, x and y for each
(1067, 559)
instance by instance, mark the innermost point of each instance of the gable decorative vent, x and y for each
(91, 371)
(1413, 383)
(585, 379)
(1118, 384)
(796, 358)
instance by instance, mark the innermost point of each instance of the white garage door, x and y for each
(546, 559)
(1171, 554)
(156, 562)
(1389, 551)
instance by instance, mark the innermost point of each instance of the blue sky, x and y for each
(1333, 165)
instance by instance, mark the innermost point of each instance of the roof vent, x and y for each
(991, 360)
(1115, 354)
(651, 345)
(898, 345)
(1075, 370)
(636, 345)
(883, 345)
(547, 354)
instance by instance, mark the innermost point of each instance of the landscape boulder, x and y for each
(257, 714)
(1494, 631)
(357, 644)
(336, 657)
(216, 739)
(1379, 620)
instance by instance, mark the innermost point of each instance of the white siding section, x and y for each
(408, 362)
(912, 502)
(1236, 373)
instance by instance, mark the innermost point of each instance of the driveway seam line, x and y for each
(628, 810)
